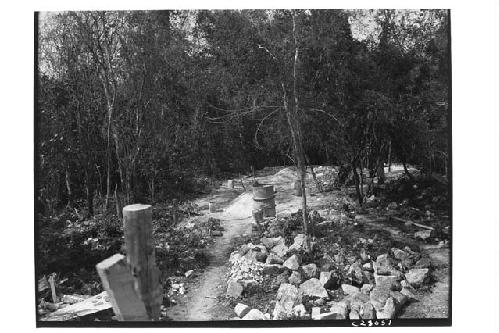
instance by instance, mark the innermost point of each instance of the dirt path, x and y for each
(201, 301)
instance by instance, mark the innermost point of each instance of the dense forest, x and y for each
(143, 106)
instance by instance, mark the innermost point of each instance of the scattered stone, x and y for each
(390, 282)
(354, 315)
(389, 310)
(241, 310)
(243, 250)
(329, 280)
(340, 309)
(399, 299)
(295, 278)
(368, 267)
(423, 234)
(316, 313)
(368, 311)
(249, 286)
(254, 314)
(269, 243)
(299, 310)
(282, 277)
(299, 243)
(310, 270)
(234, 289)
(287, 297)
(274, 259)
(367, 287)
(326, 263)
(292, 263)
(280, 250)
(384, 265)
(234, 257)
(424, 262)
(349, 289)
(378, 297)
(251, 255)
(236, 318)
(417, 277)
(406, 263)
(319, 302)
(355, 274)
(260, 257)
(267, 315)
(408, 292)
(313, 288)
(399, 254)
(271, 269)
(356, 298)
(364, 257)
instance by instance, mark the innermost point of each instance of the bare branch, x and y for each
(260, 125)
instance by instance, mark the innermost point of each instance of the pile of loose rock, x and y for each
(314, 290)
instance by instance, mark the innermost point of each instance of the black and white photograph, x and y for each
(221, 167)
(226, 165)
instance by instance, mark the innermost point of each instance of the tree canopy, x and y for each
(143, 102)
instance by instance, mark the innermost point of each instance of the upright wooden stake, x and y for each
(119, 283)
(141, 256)
(52, 282)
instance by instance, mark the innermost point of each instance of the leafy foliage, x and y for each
(146, 102)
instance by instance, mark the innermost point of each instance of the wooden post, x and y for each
(141, 257)
(52, 282)
(119, 283)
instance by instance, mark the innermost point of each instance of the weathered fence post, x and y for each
(118, 282)
(141, 257)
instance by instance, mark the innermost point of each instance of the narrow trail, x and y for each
(200, 303)
(201, 299)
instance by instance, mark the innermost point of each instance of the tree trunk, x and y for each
(118, 204)
(389, 161)
(356, 183)
(407, 172)
(380, 172)
(152, 189)
(297, 135)
(299, 156)
(68, 188)
(89, 192)
(361, 177)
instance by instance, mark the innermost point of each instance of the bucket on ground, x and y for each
(263, 197)
(230, 183)
(212, 207)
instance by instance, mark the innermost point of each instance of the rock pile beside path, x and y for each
(371, 289)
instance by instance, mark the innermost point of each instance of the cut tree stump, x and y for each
(141, 257)
(118, 281)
